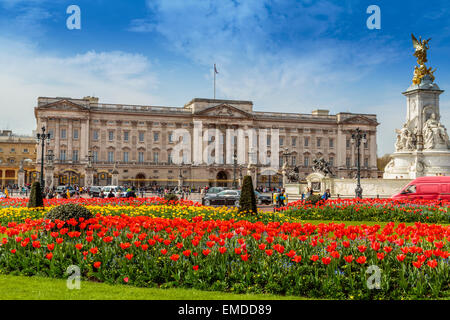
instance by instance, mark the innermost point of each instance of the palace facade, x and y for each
(95, 143)
(14, 151)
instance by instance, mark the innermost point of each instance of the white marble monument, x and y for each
(423, 146)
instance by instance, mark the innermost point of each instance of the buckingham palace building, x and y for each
(94, 143)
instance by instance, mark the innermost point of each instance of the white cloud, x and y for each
(28, 73)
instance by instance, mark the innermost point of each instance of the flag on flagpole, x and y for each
(215, 69)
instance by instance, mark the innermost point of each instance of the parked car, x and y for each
(63, 190)
(119, 192)
(211, 193)
(94, 191)
(223, 198)
(427, 188)
(262, 199)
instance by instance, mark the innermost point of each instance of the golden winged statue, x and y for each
(421, 47)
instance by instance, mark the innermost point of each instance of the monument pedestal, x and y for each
(423, 146)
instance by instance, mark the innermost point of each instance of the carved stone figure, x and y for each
(430, 131)
(320, 165)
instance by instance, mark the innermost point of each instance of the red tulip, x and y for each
(361, 260)
(432, 263)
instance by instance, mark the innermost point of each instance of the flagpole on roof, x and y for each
(215, 71)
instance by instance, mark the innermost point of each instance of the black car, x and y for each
(95, 191)
(211, 193)
(223, 198)
(262, 199)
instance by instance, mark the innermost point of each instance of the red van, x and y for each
(427, 188)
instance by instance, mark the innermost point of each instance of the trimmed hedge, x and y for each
(36, 199)
(247, 201)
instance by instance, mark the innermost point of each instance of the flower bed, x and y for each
(339, 210)
(325, 260)
(371, 210)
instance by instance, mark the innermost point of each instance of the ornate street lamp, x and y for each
(42, 137)
(358, 137)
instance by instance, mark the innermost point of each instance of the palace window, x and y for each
(319, 141)
(62, 155)
(156, 136)
(347, 162)
(63, 134)
(306, 161)
(366, 162)
(111, 135)
(75, 133)
(75, 155)
(294, 141)
(125, 156)
(110, 156)
(95, 154)
(141, 136)
(347, 143)
(281, 141)
(141, 156)
(170, 137)
(126, 136)
(331, 161)
(95, 134)
(156, 157)
(331, 143)
(306, 141)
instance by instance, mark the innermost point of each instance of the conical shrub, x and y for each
(247, 201)
(36, 199)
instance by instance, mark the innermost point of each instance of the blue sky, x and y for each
(284, 55)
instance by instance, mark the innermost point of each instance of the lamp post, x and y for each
(234, 169)
(358, 137)
(41, 137)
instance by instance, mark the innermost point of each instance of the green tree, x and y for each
(247, 201)
(36, 199)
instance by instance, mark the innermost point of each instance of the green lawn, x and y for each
(38, 288)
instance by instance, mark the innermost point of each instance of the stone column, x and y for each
(69, 140)
(84, 139)
(88, 176)
(115, 176)
(373, 150)
(57, 137)
(21, 178)
(49, 172)
(217, 147)
(341, 149)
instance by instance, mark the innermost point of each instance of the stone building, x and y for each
(14, 150)
(95, 143)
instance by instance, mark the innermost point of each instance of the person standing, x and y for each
(326, 195)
